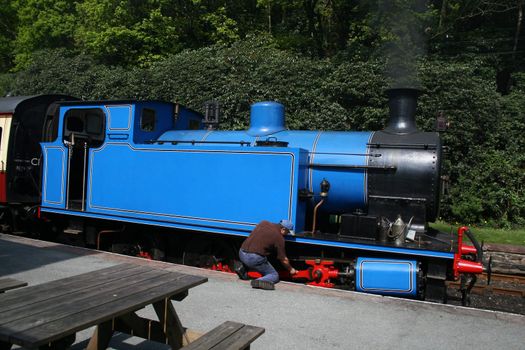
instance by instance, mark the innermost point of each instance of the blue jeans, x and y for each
(260, 264)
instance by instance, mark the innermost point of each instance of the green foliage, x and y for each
(485, 162)
(6, 83)
(125, 32)
(240, 75)
(224, 30)
(117, 33)
(492, 191)
(56, 71)
(42, 24)
(490, 181)
(8, 26)
(487, 234)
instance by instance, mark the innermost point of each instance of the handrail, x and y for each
(193, 142)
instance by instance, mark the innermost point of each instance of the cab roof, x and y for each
(9, 104)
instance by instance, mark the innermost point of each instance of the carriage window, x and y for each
(147, 120)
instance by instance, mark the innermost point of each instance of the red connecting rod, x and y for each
(319, 273)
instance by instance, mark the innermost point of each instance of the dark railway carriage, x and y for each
(22, 123)
(360, 201)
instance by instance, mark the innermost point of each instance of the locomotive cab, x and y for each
(84, 129)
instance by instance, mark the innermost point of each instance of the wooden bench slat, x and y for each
(228, 335)
(10, 283)
(240, 339)
(123, 304)
(50, 287)
(215, 336)
(33, 302)
(62, 305)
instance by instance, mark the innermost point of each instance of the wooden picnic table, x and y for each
(47, 313)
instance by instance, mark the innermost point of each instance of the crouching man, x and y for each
(266, 239)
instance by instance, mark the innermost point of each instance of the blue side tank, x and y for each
(340, 157)
(387, 276)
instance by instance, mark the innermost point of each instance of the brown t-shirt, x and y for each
(265, 239)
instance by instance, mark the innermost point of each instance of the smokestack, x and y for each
(402, 103)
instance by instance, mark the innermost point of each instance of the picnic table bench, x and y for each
(229, 335)
(48, 313)
(10, 283)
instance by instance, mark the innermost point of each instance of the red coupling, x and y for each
(468, 249)
(463, 265)
(467, 266)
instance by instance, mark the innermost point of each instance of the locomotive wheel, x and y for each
(209, 254)
(7, 220)
(146, 246)
(138, 250)
(156, 246)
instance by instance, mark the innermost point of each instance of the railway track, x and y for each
(501, 284)
(506, 293)
(506, 278)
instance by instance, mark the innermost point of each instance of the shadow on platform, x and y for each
(17, 257)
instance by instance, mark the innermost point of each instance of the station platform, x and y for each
(295, 316)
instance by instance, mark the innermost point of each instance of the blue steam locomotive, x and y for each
(158, 179)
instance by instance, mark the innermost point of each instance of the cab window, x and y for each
(94, 124)
(75, 124)
(148, 120)
(86, 124)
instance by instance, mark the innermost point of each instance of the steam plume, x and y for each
(402, 22)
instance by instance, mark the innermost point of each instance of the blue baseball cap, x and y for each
(287, 224)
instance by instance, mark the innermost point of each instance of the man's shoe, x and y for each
(267, 285)
(240, 270)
